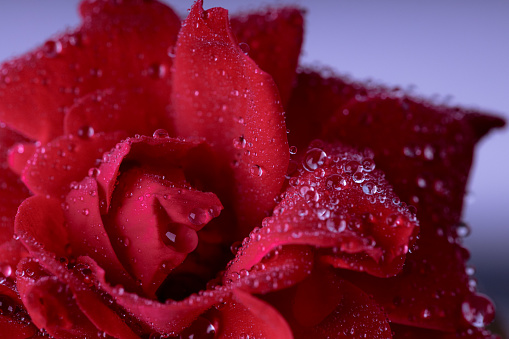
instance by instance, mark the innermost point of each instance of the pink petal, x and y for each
(220, 94)
(273, 39)
(19, 155)
(37, 89)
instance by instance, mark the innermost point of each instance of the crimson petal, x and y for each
(273, 40)
(220, 94)
(37, 88)
(54, 166)
(337, 201)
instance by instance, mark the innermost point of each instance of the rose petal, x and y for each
(76, 299)
(409, 332)
(148, 213)
(430, 290)
(54, 166)
(427, 161)
(326, 306)
(220, 94)
(282, 268)
(37, 88)
(12, 191)
(336, 201)
(19, 155)
(273, 39)
(315, 97)
(107, 110)
(50, 303)
(167, 318)
(245, 316)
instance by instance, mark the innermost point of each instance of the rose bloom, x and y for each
(151, 189)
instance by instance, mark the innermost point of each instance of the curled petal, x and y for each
(37, 89)
(220, 94)
(54, 166)
(336, 202)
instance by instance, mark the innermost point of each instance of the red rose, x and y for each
(152, 191)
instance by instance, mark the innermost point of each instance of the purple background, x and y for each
(456, 48)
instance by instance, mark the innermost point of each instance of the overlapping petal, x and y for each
(222, 95)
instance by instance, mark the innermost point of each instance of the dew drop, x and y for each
(198, 216)
(6, 270)
(335, 182)
(85, 132)
(369, 188)
(245, 48)
(52, 48)
(256, 171)
(239, 142)
(314, 158)
(94, 172)
(157, 71)
(478, 310)
(293, 149)
(201, 328)
(463, 230)
(160, 134)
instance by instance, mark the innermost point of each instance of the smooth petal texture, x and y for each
(168, 318)
(130, 110)
(326, 306)
(65, 160)
(118, 45)
(337, 201)
(245, 316)
(19, 155)
(220, 94)
(273, 39)
(12, 191)
(409, 332)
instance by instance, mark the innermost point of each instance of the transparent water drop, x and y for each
(293, 149)
(314, 158)
(239, 142)
(52, 48)
(201, 328)
(256, 171)
(478, 310)
(160, 134)
(94, 172)
(85, 132)
(198, 216)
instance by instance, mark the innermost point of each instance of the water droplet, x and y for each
(157, 71)
(196, 93)
(7, 305)
(369, 188)
(335, 182)
(85, 212)
(86, 132)
(314, 158)
(160, 134)
(463, 230)
(256, 171)
(368, 165)
(52, 48)
(201, 328)
(293, 149)
(6, 270)
(239, 142)
(245, 48)
(352, 166)
(94, 172)
(198, 216)
(478, 310)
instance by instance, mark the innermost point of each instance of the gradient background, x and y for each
(455, 50)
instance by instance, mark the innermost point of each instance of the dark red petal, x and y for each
(326, 306)
(168, 318)
(85, 303)
(245, 316)
(54, 166)
(50, 303)
(116, 109)
(409, 332)
(281, 268)
(314, 99)
(122, 45)
(12, 190)
(431, 289)
(11, 252)
(427, 160)
(220, 94)
(337, 201)
(159, 216)
(273, 40)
